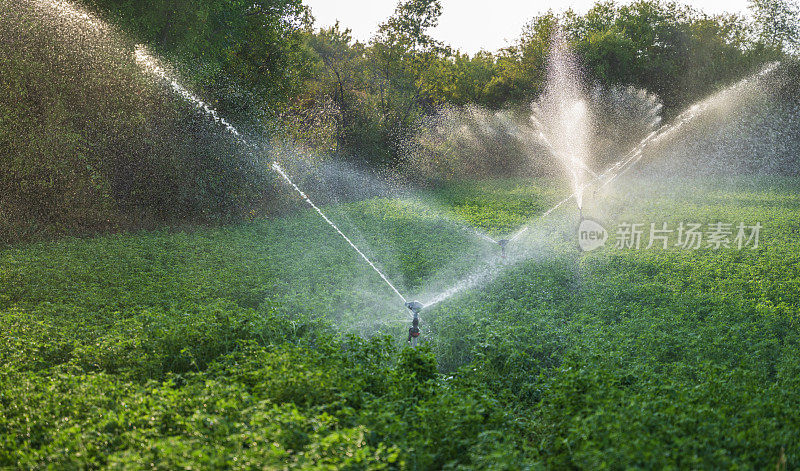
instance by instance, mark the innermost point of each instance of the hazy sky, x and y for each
(471, 25)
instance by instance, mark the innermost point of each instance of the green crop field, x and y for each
(271, 344)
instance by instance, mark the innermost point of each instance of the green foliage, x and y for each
(93, 145)
(387, 87)
(247, 55)
(498, 207)
(231, 349)
(677, 52)
(90, 143)
(777, 23)
(234, 347)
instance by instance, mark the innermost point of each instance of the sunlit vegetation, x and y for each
(215, 349)
(95, 145)
(166, 302)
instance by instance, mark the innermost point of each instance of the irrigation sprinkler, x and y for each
(415, 307)
(413, 331)
(502, 243)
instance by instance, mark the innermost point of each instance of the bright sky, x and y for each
(471, 25)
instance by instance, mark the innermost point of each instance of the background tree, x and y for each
(777, 23)
(246, 56)
(399, 55)
(96, 134)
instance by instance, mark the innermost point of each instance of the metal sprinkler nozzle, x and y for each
(413, 331)
(503, 243)
(415, 307)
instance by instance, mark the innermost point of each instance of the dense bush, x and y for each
(89, 142)
(92, 144)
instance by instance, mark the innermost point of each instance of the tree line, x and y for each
(87, 143)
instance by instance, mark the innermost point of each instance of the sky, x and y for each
(471, 25)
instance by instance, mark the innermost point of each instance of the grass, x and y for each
(232, 348)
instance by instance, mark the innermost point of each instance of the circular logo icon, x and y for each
(591, 235)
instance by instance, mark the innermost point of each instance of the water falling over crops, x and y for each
(561, 115)
(584, 178)
(152, 65)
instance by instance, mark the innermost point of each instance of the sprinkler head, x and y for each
(413, 331)
(415, 307)
(503, 243)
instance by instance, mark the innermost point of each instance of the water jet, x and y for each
(613, 171)
(153, 66)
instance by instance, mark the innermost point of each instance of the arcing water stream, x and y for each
(280, 171)
(149, 63)
(561, 116)
(721, 97)
(577, 166)
(492, 270)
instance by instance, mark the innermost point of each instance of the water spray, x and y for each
(152, 65)
(575, 164)
(71, 12)
(503, 243)
(637, 153)
(614, 171)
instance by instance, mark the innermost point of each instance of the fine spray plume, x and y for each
(562, 117)
(149, 63)
(475, 143)
(744, 129)
(584, 126)
(553, 118)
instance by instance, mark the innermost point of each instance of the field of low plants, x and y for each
(272, 345)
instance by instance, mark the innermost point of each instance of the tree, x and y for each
(338, 77)
(248, 56)
(399, 55)
(777, 22)
(409, 24)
